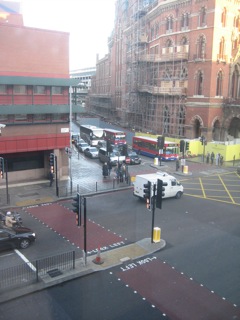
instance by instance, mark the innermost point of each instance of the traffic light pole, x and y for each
(56, 173)
(85, 229)
(153, 209)
(6, 171)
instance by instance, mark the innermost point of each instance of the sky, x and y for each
(89, 22)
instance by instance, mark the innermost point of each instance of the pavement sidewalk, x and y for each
(116, 257)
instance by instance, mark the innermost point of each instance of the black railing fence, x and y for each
(28, 273)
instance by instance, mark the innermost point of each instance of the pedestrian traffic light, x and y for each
(1, 168)
(160, 193)
(147, 194)
(182, 145)
(76, 204)
(160, 142)
(187, 145)
(51, 162)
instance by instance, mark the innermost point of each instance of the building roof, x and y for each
(35, 81)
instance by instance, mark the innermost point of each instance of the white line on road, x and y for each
(25, 260)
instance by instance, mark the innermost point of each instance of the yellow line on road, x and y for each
(206, 198)
(203, 191)
(229, 194)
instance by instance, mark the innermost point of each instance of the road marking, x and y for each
(226, 189)
(25, 260)
(203, 191)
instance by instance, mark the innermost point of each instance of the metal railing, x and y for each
(28, 273)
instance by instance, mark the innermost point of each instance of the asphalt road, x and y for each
(201, 254)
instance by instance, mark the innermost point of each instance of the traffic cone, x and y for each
(98, 259)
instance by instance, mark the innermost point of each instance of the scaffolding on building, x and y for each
(156, 82)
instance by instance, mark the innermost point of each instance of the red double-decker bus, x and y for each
(149, 147)
(115, 137)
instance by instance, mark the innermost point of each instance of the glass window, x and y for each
(19, 89)
(57, 90)
(3, 88)
(39, 89)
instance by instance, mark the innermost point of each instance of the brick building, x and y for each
(34, 96)
(173, 68)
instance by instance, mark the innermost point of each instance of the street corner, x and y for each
(184, 174)
(32, 202)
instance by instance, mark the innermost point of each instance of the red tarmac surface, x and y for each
(177, 296)
(62, 220)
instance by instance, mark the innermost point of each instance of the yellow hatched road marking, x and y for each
(226, 190)
(203, 191)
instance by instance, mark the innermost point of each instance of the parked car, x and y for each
(19, 237)
(91, 152)
(82, 146)
(133, 158)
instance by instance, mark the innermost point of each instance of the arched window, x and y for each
(157, 29)
(169, 46)
(224, 17)
(201, 46)
(181, 121)
(236, 22)
(202, 17)
(221, 55)
(169, 24)
(219, 83)
(199, 83)
(185, 21)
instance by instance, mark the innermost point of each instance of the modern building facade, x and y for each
(34, 96)
(173, 68)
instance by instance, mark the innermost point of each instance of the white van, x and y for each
(115, 156)
(172, 189)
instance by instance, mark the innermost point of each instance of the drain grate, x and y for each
(54, 273)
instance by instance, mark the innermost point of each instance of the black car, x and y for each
(132, 158)
(19, 237)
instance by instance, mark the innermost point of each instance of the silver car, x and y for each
(82, 146)
(91, 152)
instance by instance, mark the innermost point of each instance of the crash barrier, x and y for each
(107, 184)
(30, 272)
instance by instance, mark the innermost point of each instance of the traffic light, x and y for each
(76, 204)
(125, 150)
(187, 146)
(51, 162)
(160, 142)
(160, 193)
(202, 139)
(147, 194)
(109, 147)
(1, 168)
(182, 145)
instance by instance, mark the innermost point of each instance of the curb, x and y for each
(111, 258)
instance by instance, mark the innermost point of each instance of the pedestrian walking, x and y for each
(208, 157)
(217, 159)
(105, 170)
(212, 157)
(177, 164)
(109, 167)
(51, 178)
(221, 160)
